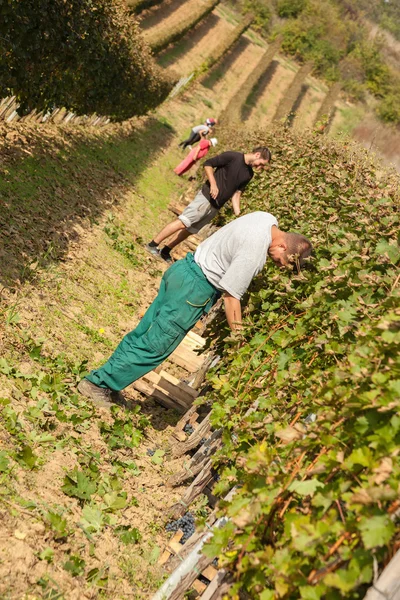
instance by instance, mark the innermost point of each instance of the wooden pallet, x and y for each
(167, 390)
(186, 356)
(178, 206)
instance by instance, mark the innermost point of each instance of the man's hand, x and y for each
(214, 191)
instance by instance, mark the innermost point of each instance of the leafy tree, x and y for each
(317, 35)
(290, 8)
(389, 107)
(85, 55)
(261, 11)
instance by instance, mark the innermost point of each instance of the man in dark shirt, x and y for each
(233, 171)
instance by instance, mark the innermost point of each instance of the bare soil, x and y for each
(196, 45)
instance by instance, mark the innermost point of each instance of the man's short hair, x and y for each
(299, 247)
(264, 151)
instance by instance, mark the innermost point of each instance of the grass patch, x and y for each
(79, 176)
(346, 120)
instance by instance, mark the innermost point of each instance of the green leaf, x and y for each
(58, 524)
(305, 488)
(27, 457)
(359, 456)
(376, 531)
(4, 462)
(157, 457)
(92, 519)
(309, 592)
(5, 367)
(128, 535)
(391, 250)
(136, 438)
(47, 554)
(115, 501)
(75, 565)
(267, 595)
(78, 485)
(219, 541)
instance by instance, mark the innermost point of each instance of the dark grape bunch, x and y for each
(215, 475)
(188, 429)
(185, 524)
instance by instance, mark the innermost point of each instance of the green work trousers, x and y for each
(184, 296)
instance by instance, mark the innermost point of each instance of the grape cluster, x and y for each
(215, 475)
(185, 524)
(150, 452)
(188, 429)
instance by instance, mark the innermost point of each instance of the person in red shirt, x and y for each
(194, 155)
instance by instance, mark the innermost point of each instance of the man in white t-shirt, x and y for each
(198, 132)
(225, 263)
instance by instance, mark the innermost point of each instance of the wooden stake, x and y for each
(194, 439)
(198, 485)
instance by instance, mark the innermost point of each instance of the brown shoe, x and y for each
(98, 395)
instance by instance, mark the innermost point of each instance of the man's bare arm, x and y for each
(213, 184)
(233, 311)
(236, 202)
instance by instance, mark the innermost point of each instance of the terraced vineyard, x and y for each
(270, 87)
(87, 492)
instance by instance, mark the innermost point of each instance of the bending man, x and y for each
(233, 171)
(225, 263)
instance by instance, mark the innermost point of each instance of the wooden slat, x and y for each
(209, 572)
(186, 358)
(174, 547)
(199, 586)
(214, 585)
(177, 207)
(167, 389)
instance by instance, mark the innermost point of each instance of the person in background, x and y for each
(233, 171)
(200, 151)
(197, 132)
(225, 263)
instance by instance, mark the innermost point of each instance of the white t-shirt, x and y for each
(232, 256)
(199, 128)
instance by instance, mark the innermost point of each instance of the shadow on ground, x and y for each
(258, 90)
(189, 41)
(154, 16)
(296, 105)
(51, 179)
(220, 69)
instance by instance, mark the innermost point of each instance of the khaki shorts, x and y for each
(198, 213)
